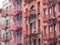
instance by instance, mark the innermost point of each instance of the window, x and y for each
(54, 28)
(38, 25)
(50, 29)
(59, 27)
(34, 42)
(38, 16)
(7, 22)
(19, 35)
(8, 35)
(19, 4)
(44, 30)
(50, 11)
(33, 27)
(54, 9)
(39, 6)
(59, 9)
(33, 8)
(44, 12)
(39, 42)
(19, 19)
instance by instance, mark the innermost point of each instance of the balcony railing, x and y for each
(45, 18)
(52, 16)
(44, 2)
(50, 36)
(45, 37)
(49, 2)
(32, 12)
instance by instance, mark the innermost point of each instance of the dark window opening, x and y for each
(0, 33)
(44, 30)
(7, 22)
(38, 25)
(44, 12)
(59, 27)
(34, 42)
(19, 19)
(54, 10)
(8, 36)
(39, 42)
(54, 28)
(50, 29)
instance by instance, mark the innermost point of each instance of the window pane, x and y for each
(44, 12)
(34, 42)
(44, 30)
(50, 29)
(50, 10)
(54, 28)
(33, 27)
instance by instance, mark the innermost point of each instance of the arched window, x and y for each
(33, 8)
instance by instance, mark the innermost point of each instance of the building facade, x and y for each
(51, 22)
(41, 16)
(32, 22)
(40, 20)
